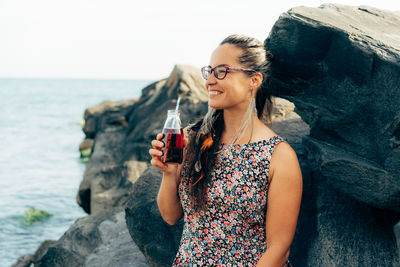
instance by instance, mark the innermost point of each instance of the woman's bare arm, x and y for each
(284, 198)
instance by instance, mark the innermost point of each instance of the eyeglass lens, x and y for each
(206, 71)
(219, 72)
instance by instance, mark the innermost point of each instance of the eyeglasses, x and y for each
(219, 71)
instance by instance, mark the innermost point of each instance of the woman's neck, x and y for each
(232, 121)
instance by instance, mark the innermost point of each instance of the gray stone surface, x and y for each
(340, 66)
(158, 240)
(106, 124)
(28, 260)
(396, 230)
(100, 240)
(117, 248)
(346, 232)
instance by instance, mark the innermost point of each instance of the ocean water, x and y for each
(39, 163)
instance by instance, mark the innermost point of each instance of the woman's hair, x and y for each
(205, 145)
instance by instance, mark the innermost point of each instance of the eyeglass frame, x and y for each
(227, 68)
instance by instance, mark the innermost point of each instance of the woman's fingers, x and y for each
(159, 136)
(156, 159)
(157, 144)
(155, 152)
(158, 164)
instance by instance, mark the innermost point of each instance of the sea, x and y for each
(40, 165)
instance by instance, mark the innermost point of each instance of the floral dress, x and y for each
(231, 230)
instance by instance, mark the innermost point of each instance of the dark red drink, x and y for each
(173, 146)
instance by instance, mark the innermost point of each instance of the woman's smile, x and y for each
(213, 92)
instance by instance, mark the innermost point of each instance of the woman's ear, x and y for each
(256, 80)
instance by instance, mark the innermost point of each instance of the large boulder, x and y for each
(340, 66)
(157, 240)
(99, 240)
(396, 230)
(107, 113)
(107, 125)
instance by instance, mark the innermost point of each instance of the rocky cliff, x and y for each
(340, 66)
(336, 78)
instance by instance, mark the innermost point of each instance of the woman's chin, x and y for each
(215, 105)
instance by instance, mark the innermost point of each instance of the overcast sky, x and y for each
(129, 39)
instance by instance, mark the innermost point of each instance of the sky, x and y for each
(119, 39)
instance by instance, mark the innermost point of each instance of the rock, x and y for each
(341, 231)
(396, 230)
(106, 124)
(110, 186)
(288, 123)
(23, 261)
(113, 185)
(366, 182)
(157, 240)
(108, 113)
(96, 194)
(334, 62)
(106, 151)
(86, 144)
(339, 65)
(118, 248)
(96, 240)
(26, 261)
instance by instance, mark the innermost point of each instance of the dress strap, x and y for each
(272, 142)
(276, 139)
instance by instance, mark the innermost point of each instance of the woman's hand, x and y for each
(167, 200)
(156, 153)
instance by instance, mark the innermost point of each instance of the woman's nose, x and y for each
(211, 80)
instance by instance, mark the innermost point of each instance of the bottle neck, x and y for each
(173, 112)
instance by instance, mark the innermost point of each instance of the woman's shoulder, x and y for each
(283, 156)
(266, 135)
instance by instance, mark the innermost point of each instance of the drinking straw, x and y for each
(177, 103)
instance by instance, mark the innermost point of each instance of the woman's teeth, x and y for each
(214, 92)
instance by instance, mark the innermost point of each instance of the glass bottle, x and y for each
(173, 138)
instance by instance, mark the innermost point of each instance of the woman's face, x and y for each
(234, 90)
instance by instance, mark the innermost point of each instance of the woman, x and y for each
(240, 201)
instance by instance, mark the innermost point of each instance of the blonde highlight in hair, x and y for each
(208, 122)
(246, 122)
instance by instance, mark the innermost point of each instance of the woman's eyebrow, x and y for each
(221, 65)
